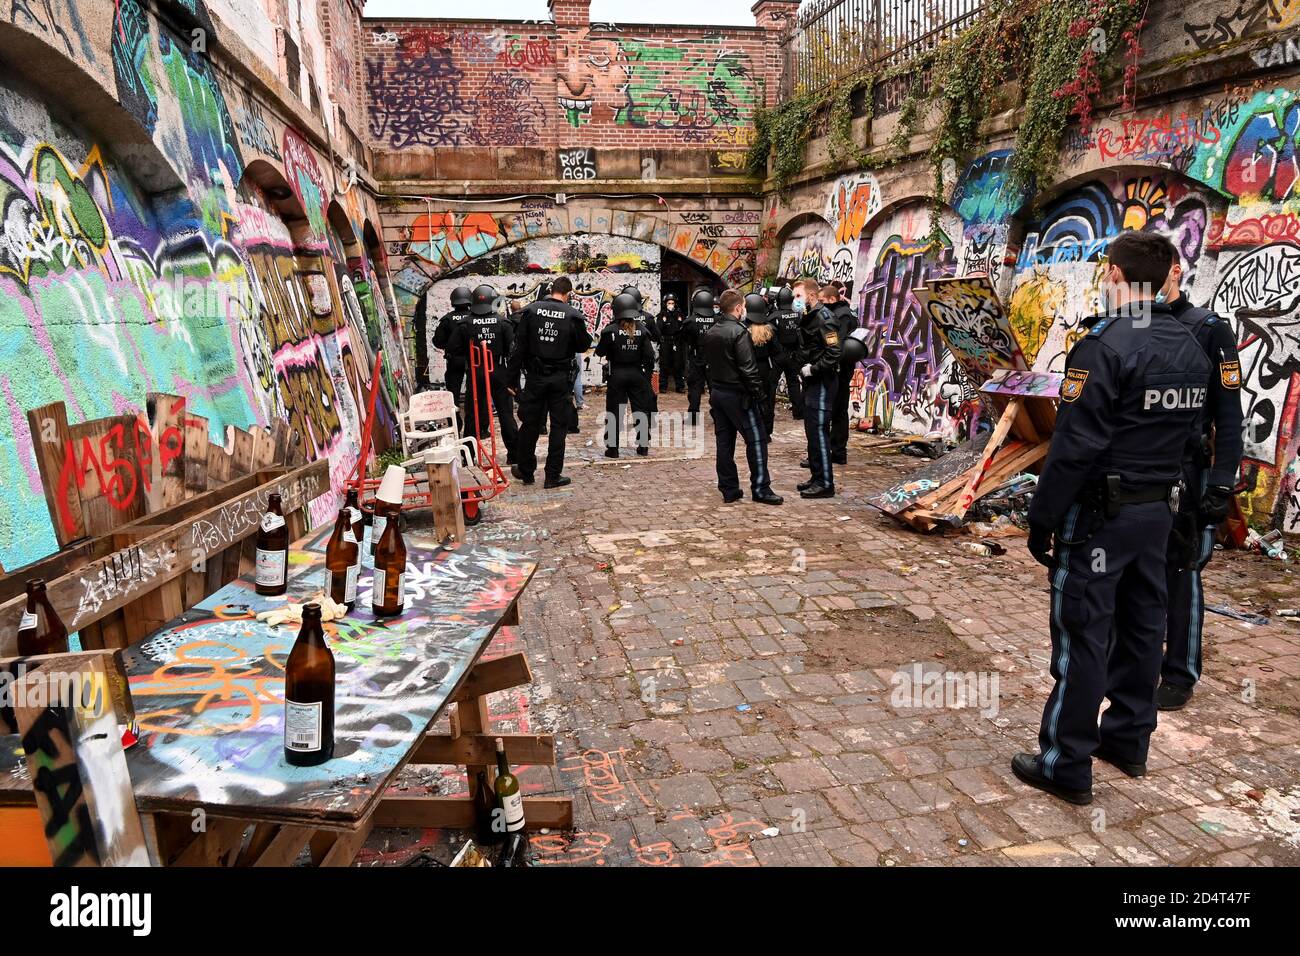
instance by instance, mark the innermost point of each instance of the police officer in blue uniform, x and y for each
(486, 328)
(736, 390)
(1133, 394)
(819, 347)
(460, 300)
(703, 315)
(551, 332)
(1209, 474)
(847, 320)
(786, 320)
(625, 344)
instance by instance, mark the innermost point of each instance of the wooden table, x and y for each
(207, 688)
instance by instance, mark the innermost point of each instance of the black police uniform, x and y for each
(819, 346)
(1133, 392)
(455, 378)
(672, 349)
(487, 391)
(786, 320)
(1211, 462)
(422, 343)
(631, 362)
(736, 391)
(770, 358)
(551, 334)
(698, 323)
(847, 320)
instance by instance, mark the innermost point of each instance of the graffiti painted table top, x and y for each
(208, 687)
(15, 783)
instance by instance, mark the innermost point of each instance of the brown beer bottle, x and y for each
(343, 561)
(353, 506)
(388, 596)
(272, 575)
(40, 631)
(309, 695)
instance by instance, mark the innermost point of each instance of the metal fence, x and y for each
(834, 38)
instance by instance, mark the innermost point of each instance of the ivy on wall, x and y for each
(1058, 49)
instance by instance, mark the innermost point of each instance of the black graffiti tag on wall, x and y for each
(417, 101)
(577, 163)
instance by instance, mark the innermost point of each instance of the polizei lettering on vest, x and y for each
(1173, 398)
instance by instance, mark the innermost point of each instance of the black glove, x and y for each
(1040, 545)
(1214, 504)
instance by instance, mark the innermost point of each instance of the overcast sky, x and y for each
(704, 12)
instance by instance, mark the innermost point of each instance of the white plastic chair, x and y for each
(431, 420)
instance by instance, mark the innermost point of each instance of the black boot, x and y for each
(526, 479)
(611, 452)
(1026, 767)
(1172, 697)
(1129, 767)
(767, 497)
(816, 490)
(558, 482)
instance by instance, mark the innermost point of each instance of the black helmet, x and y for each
(485, 298)
(785, 297)
(625, 306)
(756, 308)
(634, 292)
(702, 303)
(854, 347)
(460, 297)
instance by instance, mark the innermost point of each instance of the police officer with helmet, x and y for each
(551, 333)
(672, 349)
(488, 329)
(786, 320)
(1132, 397)
(703, 315)
(625, 343)
(642, 315)
(1209, 474)
(736, 391)
(460, 302)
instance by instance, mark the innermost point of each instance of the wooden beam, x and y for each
(51, 437)
(338, 848)
(444, 491)
(116, 580)
(274, 844)
(480, 749)
(217, 845)
(552, 813)
(487, 677)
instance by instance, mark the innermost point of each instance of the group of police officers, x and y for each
(1140, 471)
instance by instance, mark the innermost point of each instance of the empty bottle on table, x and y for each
(309, 695)
(272, 575)
(353, 507)
(343, 561)
(40, 630)
(508, 795)
(388, 589)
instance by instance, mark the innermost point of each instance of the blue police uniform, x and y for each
(1131, 398)
(819, 345)
(1212, 460)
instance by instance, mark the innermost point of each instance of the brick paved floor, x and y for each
(719, 681)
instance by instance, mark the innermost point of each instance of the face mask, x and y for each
(800, 306)
(1161, 297)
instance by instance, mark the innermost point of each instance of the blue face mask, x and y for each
(800, 306)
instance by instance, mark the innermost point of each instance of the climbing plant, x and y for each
(1059, 50)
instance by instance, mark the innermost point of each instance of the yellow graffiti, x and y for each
(1035, 304)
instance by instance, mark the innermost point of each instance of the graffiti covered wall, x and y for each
(129, 269)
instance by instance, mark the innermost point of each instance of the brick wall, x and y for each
(569, 83)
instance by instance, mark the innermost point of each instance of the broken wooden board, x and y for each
(969, 317)
(930, 477)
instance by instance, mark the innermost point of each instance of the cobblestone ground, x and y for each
(720, 681)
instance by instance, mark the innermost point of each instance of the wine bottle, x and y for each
(343, 561)
(507, 787)
(485, 815)
(309, 695)
(272, 576)
(40, 630)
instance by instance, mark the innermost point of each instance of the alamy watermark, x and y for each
(85, 691)
(915, 686)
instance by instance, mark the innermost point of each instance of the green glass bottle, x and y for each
(508, 796)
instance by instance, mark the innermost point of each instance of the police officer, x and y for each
(768, 354)
(625, 343)
(819, 348)
(460, 300)
(551, 333)
(672, 347)
(1209, 473)
(703, 315)
(736, 390)
(786, 320)
(846, 320)
(642, 315)
(486, 328)
(1133, 393)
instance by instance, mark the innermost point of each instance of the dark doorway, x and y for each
(680, 276)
